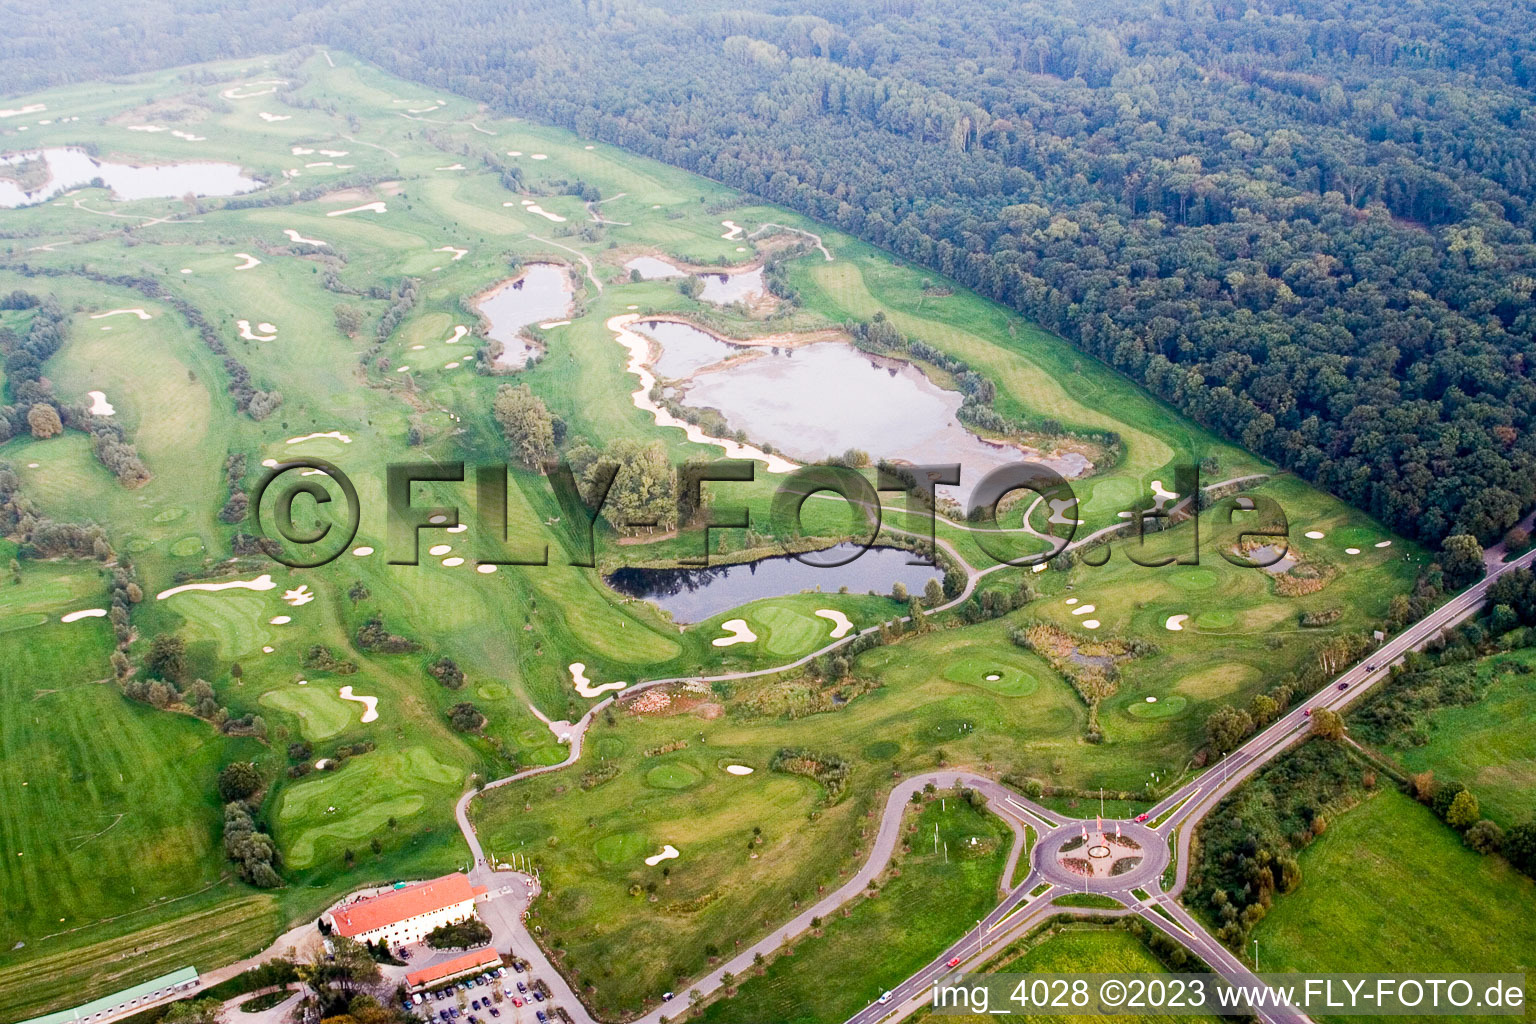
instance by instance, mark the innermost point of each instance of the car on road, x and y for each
(1141, 817)
(1343, 686)
(1308, 712)
(954, 962)
(885, 999)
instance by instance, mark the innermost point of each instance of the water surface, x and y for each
(69, 167)
(684, 348)
(541, 292)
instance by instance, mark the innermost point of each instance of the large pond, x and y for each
(720, 287)
(824, 398)
(541, 292)
(69, 168)
(684, 348)
(693, 595)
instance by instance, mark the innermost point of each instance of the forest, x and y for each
(1305, 224)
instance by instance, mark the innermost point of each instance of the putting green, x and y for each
(170, 515)
(1217, 619)
(492, 691)
(1115, 492)
(675, 775)
(612, 747)
(548, 753)
(1192, 578)
(1165, 707)
(187, 546)
(320, 712)
(789, 632)
(134, 545)
(1357, 537)
(1011, 681)
(619, 847)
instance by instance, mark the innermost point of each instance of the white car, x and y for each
(885, 999)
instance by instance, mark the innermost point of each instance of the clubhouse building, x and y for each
(405, 915)
(445, 971)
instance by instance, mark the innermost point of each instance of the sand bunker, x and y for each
(338, 435)
(250, 261)
(434, 520)
(302, 151)
(439, 549)
(87, 613)
(451, 366)
(1176, 622)
(584, 685)
(1161, 497)
(370, 704)
(250, 90)
(268, 650)
(269, 118)
(1383, 544)
(361, 551)
(740, 633)
(840, 623)
(298, 239)
(734, 229)
(262, 582)
(1315, 535)
(458, 529)
(639, 356)
(269, 333)
(667, 853)
(536, 208)
(485, 568)
(1090, 623)
(31, 108)
(458, 254)
(1351, 551)
(538, 156)
(188, 136)
(453, 562)
(99, 404)
(378, 207)
(1071, 600)
(738, 769)
(334, 152)
(151, 128)
(450, 167)
(280, 620)
(121, 312)
(300, 595)
(1083, 609)
(402, 369)
(551, 324)
(514, 152)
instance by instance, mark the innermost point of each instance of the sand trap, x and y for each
(1151, 700)
(121, 312)
(639, 355)
(31, 108)
(300, 595)
(280, 620)
(1175, 622)
(738, 769)
(320, 764)
(1315, 535)
(33, 465)
(740, 633)
(269, 118)
(269, 463)
(439, 549)
(298, 239)
(361, 551)
(453, 562)
(458, 254)
(1383, 544)
(514, 152)
(268, 650)
(667, 852)
(1083, 609)
(549, 325)
(1071, 600)
(1161, 497)
(486, 569)
(188, 136)
(269, 332)
(435, 520)
(840, 623)
(402, 369)
(450, 167)
(458, 529)
(536, 208)
(250, 261)
(249, 91)
(733, 232)
(1351, 551)
(378, 207)
(302, 151)
(320, 163)
(451, 366)
(993, 677)
(87, 613)
(370, 704)
(584, 685)
(1090, 623)
(538, 156)
(336, 434)
(99, 404)
(262, 582)
(334, 152)
(151, 128)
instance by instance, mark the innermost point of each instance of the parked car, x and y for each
(538, 996)
(495, 1012)
(541, 1017)
(516, 1001)
(522, 988)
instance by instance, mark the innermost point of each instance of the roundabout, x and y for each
(1095, 855)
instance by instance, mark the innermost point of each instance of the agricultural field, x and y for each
(346, 284)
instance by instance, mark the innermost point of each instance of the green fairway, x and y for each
(321, 713)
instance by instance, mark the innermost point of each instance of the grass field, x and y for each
(917, 914)
(1389, 888)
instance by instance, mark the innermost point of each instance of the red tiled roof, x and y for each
(403, 904)
(487, 957)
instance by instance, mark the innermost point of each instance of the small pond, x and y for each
(541, 292)
(69, 168)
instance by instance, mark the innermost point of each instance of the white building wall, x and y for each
(411, 930)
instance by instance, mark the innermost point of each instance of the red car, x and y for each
(1141, 817)
(1309, 712)
(953, 963)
